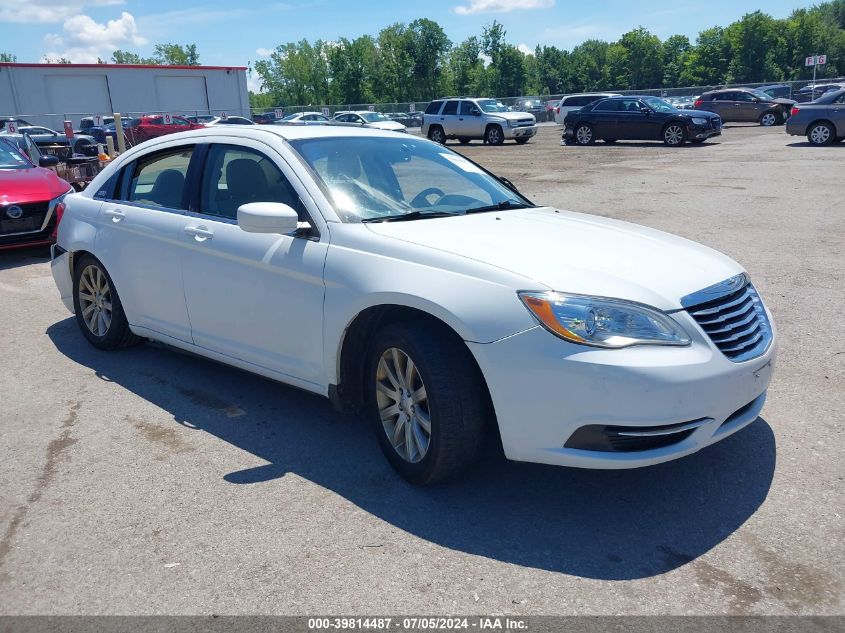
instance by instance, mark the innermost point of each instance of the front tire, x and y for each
(494, 135)
(584, 135)
(821, 133)
(99, 312)
(426, 402)
(674, 135)
(769, 119)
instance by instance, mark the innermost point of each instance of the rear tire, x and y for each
(435, 133)
(821, 133)
(584, 135)
(99, 312)
(441, 390)
(493, 135)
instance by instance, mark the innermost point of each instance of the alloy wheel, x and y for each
(768, 119)
(820, 134)
(95, 300)
(403, 405)
(493, 136)
(584, 134)
(674, 135)
(437, 135)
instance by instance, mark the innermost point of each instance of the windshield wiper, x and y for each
(413, 215)
(501, 206)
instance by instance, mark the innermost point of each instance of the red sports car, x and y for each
(30, 199)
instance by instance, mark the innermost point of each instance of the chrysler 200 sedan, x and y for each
(405, 282)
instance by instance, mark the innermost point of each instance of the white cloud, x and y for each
(525, 49)
(83, 40)
(47, 11)
(501, 6)
(263, 52)
(253, 82)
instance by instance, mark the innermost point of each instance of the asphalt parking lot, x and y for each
(147, 481)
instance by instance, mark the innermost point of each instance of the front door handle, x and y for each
(116, 215)
(199, 233)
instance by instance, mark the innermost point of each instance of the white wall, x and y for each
(46, 94)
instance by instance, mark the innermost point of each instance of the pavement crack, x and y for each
(55, 450)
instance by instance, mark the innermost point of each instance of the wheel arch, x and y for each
(347, 394)
(814, 122)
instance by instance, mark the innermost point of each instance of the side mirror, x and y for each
(48, 161)
(268, 217)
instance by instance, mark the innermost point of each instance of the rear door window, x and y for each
(608, 105)
(451, 107)
(433, 107)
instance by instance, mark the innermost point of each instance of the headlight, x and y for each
(603, 322)
(511, 123)
(699, 121)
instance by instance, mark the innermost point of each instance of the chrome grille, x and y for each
(732, 315)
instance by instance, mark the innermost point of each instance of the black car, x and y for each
(638, 118)
(533, 105)
(266, 118)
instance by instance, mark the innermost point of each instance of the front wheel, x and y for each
(674, 135)
(769, 119)
(494, 135)
(426, 401)
(584, 135)
(97, 306)
(821, 133)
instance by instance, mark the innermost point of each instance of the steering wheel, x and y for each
(421, 199)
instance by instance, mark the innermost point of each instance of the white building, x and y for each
(48, 94)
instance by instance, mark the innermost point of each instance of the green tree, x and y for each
(428, 48)
(675, 51)
(466, 70)
(126, 57)
(707, 63)
(8, 58)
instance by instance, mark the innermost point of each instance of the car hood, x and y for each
(702, 113)
(34, 184)
(574, 252)
(512, 116)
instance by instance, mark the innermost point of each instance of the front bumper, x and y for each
(525, 131)
(701, 132)
(545, 389)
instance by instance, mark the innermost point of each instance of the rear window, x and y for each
(433, 107)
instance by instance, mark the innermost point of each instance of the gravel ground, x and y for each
(148, 481)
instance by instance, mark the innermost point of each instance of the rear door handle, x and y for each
(199, 233)
(116, 215)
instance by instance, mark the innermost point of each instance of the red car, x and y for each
(31, 204)
(152, 126)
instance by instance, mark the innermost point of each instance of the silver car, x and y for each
(366, 118)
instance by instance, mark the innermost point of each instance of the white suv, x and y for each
(400, 279)
(467, 119)
(573, 102)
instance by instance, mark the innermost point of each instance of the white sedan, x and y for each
(403, 281)
(365, 118)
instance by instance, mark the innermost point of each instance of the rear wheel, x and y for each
(584, 135)
(426, 402)
(821, 133)
(494, 135)
(435, 133)
(674, 135)
(96, 303)
(769, 119)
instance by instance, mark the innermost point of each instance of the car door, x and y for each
(137, 240)
(837, 115)
(449, 117)
(253, 297)
(724, 104)
(749, 107)
(467, 123)
(603, 118)
(631, 122)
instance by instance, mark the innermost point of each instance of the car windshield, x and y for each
(491, 105)
(375, 117)
(764, 96)
(379, 178)
(11, 158)
(658, 105)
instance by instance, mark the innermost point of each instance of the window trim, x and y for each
(129, 173)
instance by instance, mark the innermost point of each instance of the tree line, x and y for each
(417, 61)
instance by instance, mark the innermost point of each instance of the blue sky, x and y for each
(236, 32)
